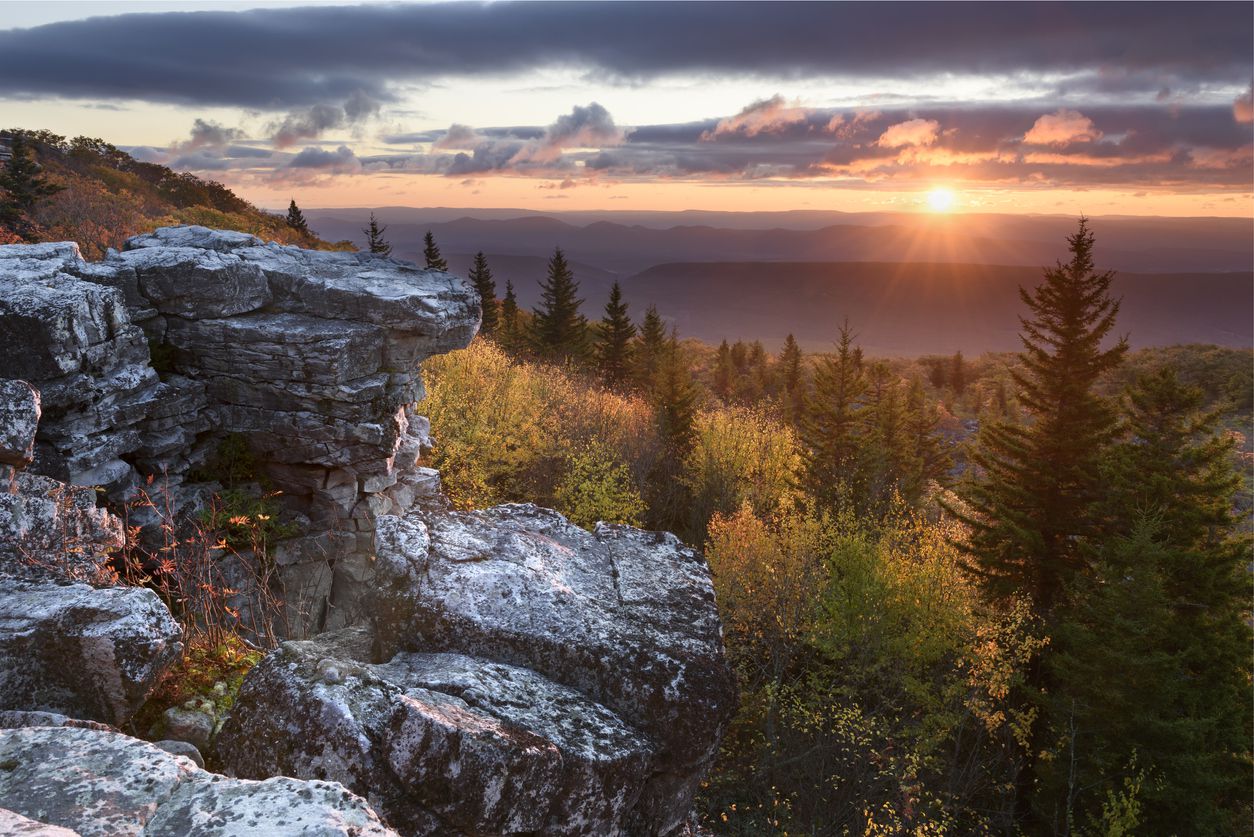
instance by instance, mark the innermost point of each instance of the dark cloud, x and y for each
(312, 122)
(211, 135)
(342, 159)
(280, 59)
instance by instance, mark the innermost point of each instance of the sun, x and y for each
(941, 199)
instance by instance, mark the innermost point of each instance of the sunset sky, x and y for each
(1126, 108)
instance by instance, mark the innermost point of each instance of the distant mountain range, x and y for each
(908, 284)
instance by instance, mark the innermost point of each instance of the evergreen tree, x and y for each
(558, 331)
(958, 374)
(1034, 505)
(650, 346)
(21, 184)
(928, 459)
(617, 331)
(790, 378)
(1153, 657)
(884, 451)
(374, 238)
(296, 219)
(1032, 512)
(481, 278)
(675, 400)
(724, 373)
(431, 253)
(509, 325)
(831, 421)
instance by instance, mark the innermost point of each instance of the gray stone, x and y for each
(190, 725)
(623, 616)
(19, 419)
(80, 651)
(439, 743)
(193, 283)
(181, 748)
(14, 824)
(50, 530)
(108, 784)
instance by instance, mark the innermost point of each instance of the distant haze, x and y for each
(908, 284)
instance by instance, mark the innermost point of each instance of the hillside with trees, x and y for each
(1000, 594)
(87, 190)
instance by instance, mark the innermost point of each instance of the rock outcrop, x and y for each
(93, 782)
(80, 651)
(491, 672)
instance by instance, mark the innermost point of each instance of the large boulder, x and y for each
(80, 651)
(51, 530)
(95, 782)
(522, 674)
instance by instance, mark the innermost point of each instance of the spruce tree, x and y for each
(1153, 657)
(374, 238)
(1032, 509)
(831, 423)
(21, 184)
(674, 399)
(1035, 501)
(481, 278)
(958, 374)
(431, 253)
(790, 378)
(928, 459)
(509, 326)
(296, 219)
(884, 450)
(558, 331)
(649, 348)
(614, 340)
(724, 374)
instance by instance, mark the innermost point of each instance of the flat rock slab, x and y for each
(80, 651)
(108, 784)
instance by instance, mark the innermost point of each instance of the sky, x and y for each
(1100, 108)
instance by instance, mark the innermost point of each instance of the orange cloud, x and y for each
(767, 116)
(1243, 107)
(912, 132)
(1062, 128)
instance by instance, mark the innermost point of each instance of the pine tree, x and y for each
(296, 219)
(558, 331)
(617, 331)
(21, 184)
(927, 458)
(831, 421)
(958, 374)
(674, 400)
(509, 326)
(431, 253)
(1033, 509)
(481, 278)
(881, 464)
(649, 348)
(1153, 655)
(724, 374)
(790, 378)
(374, 238)
(1034, 505)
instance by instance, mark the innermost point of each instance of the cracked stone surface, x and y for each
(92, 782)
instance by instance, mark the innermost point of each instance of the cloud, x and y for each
(584, 127)
(1062, 127)
(847, 128)
(340, 161)
(763, 116)
(1243, 107)
(210, 135)
(312, 122)
(912, 132)
(281, 59)
(458, 138)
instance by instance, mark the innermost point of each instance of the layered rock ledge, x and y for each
(462, 673)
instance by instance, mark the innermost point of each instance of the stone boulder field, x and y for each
(427, 671)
